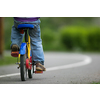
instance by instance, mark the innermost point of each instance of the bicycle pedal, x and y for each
(15, 54)
(38, 72)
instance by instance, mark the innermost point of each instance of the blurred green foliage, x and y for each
(8, 22)
(63, 33)
(78, 38)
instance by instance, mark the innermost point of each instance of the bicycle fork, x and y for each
(25, 49)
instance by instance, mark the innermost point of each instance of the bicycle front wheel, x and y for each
(30, 72)
(23, 69)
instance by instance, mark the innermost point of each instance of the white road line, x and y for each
(86, 60)
(8, 75)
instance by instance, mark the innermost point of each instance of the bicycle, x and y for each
(24, 55)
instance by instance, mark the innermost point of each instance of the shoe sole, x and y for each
(40, 69)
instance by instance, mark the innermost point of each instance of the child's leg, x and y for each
(16, 37)
(36, 44)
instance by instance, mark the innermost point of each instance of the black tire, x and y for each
(30, 72)
(23, 69)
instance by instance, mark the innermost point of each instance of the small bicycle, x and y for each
(24, 55)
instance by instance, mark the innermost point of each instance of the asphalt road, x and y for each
(62, 68)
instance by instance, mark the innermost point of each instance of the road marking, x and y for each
(86, 60)
(8, 75)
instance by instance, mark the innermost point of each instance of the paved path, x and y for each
(62, 68)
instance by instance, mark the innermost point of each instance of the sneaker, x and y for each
(14, 48)
(40, 67)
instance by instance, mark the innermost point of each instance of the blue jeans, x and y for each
(35, 36)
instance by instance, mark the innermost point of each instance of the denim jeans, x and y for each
(35, 36)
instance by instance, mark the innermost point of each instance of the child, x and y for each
(35, 36)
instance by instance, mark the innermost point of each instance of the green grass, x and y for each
(95, 83)
(7, 60)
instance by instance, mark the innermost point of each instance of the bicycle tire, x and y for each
(30, 72)
(23, 69)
